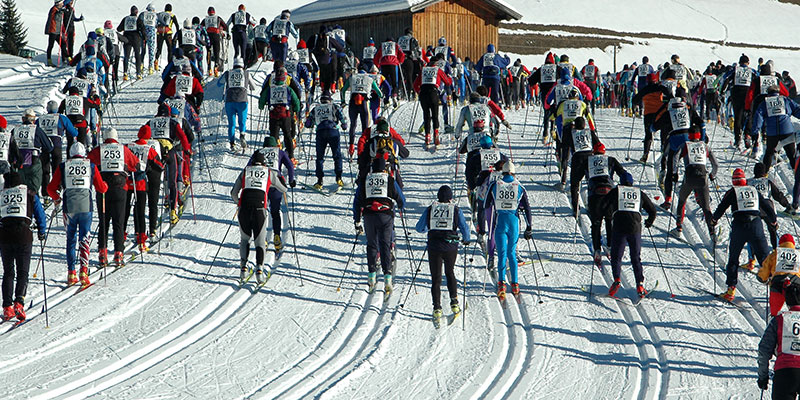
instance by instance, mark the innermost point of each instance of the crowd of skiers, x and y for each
(671, 98)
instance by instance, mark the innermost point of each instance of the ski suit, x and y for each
(375, 199)
(237, 87)
(20, 206)
(780, 330)
(627, 226)
(505, 196)
(326, 117)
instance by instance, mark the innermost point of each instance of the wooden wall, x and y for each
(468, 25)
(360, 29)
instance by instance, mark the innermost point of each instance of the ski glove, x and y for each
(465, 242)
(649, 222)
(507, 124)
(763, 383)
(528, 233)
(292, 183)
(42, 236)
(359, 228)
(712, 177)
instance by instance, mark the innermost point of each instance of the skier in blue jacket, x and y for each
(489, 67)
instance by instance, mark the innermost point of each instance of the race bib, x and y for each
(155, 144)
(278, 95)
(582, 140)
(598, 166)
(24, 135)
(189, 37)
(479, 112)
(279, 27)
(236, 78)
(679, 118)
(369, 52)
(377, 185)
(5, 143)
(324, 112)
(141, 151)
(112, 157)
(240, 18)
(77, 173)
(49, 124)
(710, 79)
(260, 32)
(746, 198)
(179, 103)
(361, 83)
(441, 50)
(642, 71)
(212, 21)
(488, 60)
(628, 199)
(474, 140)
(671, 85)
(506, 195)
(571, 110)
(489, 157)
(149, 18)
(388, 49)
(272, 157)
(767, 81)
(790, 335)
(81, 84)
(697, 153)
(130, 23)
(743, 76)
(588, 72)
(562, 92)
(786, 260)
(441, 216)
(183, 84)
(405, 43)
(761, 185)
(303, 56)
(14, 202)
(74, 105)
(340, 35)
(92, 76)
(291, 67)
(429, 75)
(680, 72)
(256, 177)
(548, 73)
(775, 106)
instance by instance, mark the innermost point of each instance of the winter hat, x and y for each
(52, 106)
(3, 123)
(564, 58)
(110, 133)
(150, 7)
(445, 194)
(174, 111)
(675, 58)
(259, 158)
(743, 59)
(370, 42)
(29, 113)
(195, 20)
(134, 10)
(509, 168)
(738, 177)
(163, 110)
(178, 53)
(270, 141)
(626, 179)
(108, 24)
(92, 35)
(301, 44)
(144, 132)
(285, 14)
(168, 7)
(787, 239)
(58, 1)
(187, 23)
(326, 97)
(442, 41)
(262, 21)
(77, 150)
(13, 179)
(574, 93)
(379, 164)
(645, 60)
(186, 68)
(486, 142)
(238, 62)
(765, 69)
(382, 125)
(549, 59)
(99, 31)
(694, 135)
(773, 89)
(474, 97)
(211, 10)
(490, 48)
(599, 148)
(241, 7)
(759, 169)
(482, 90)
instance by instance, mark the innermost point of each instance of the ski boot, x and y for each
(19, 311)
(276, 240)
(152, 235)
(640, 290)
(103, 257)
(84, 276)
(351, 150)
(515, 289)
(233, 147)
(598, 259)
(612, 291)
(242, 142)
(437, 317)
(125, 77)
(387, 284)
(216, 72)
(454, 306)
(436, 137)
(50, 63)
(155, 64)
(8, 313)
(729, 294)
(677, 232)
(339, 182)
(318, 185)
(119, 260)
(501, 291)
(261, 277)
(143, 243)
(667, 204)
(643, 160)
(751, 265)
(427, 139)
(371, 281)
(150, 71)
(243, 275)
(173, 217)
(72, 278)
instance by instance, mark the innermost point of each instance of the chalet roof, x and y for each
(326, 10)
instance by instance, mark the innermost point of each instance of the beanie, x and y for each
(382, 125)
(445, 194)
(145, 132)
(786, 238)
(759, 169)
(738, 177)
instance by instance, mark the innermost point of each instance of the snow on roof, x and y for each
(326, 10)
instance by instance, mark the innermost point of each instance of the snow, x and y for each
(158, 329)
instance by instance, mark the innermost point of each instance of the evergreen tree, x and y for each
(12, 32)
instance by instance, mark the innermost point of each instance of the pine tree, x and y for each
(12, 32)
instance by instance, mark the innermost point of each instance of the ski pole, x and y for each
(350, 257)
(525, 124)
(47, 234)
(44, 282)
(672, 293)
(408, 241)
(464, 290)
(535, 277)
(230, 224)
(294, 238)
(630, 139)
(191, 192)
(414, 277)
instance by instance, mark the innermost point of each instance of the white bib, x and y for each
(236, 78)
(74, 105)
(339, 34)
(179, 103)
(361, 83)
(628, 199)
(324, 112)
(278, 95)
(571, 110)
(742, 76)
(441, 216)
(582, 140)
(767, 81)
(479, 112)
(256, 177)
(562, 92)
(588, 72)
(183, 84)
(149, 18)
(548, 73)
(786, 260)
(642, 71)
(598, 166)
(679, 118)
(24, 135)
(671, 85)
(441, 50)
(112, 157)
(280, 27)
(303, 56)
(507, 195)
(189, 37)
(377, 185)
(369, 52)
(697, 153)
(790, 336)
(5, 143)
(474, 140)
(212, 21)
(761, 185)
(240, 18)
(260, 32)
(405, 43)
(159, 127)
(14, 202)
(746, 198)
(78, 173)
(49, 124)
(81, 84)
(488, 60)
(429, 75)
(680, 72)
(272, 157)
(141, 151)
(489, 157)
(130, 23)
(775, 106)
(388, 49)
(92, 76)
(710, 79)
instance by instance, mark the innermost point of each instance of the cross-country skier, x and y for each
(623, 205)
(185, 85)
(782, 338)
(116, 161)
(239, 22)
(74, 178)
(282, 101)
(166, 21)
(10, 156)
(780, 268)
(33, 143)
(678, 117)
(384, 142)
(578, 142)
(489, 67)
(428, 85)
(237, 87)
(389, 58)
(442, 220)
(739, 79)
(590, 74)
(276, 159)
(254, 182)
(470, 115)
(150, 20)
(53, 30)
(412, 65)
(479, 171)
(326, 116)
(216, 27)
(747, 206)
(55, 126)
(149, 154)
(325, 51)
(696, 155)
(112, 42)
(504, 199)
(19, 206)
(75, 107)
(775, 115)
(133, 29)
(361, 86)
(376, 197)
(652, 98)
(278, 31)
(546, 77)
